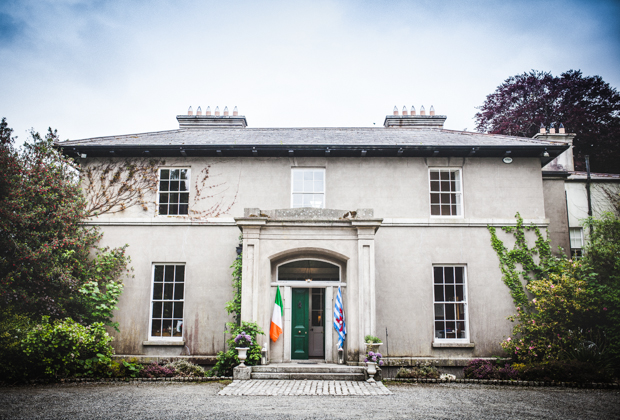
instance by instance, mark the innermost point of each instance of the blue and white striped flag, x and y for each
(339, 323)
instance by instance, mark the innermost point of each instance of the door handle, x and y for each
(306, 332)
(298, 332)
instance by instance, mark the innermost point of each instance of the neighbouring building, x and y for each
(396, 216)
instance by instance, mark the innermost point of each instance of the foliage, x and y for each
(154, 370)
(46, 252)
(114, 185)
(14, 328)
(234, 306)
(371, 356)
(489, 369)
(372, 339)
(186, 368)
(587, 106)
(518, 265)
(227, 360)
(64, 348)
(420, 370)
(602, 256)
(561, 371)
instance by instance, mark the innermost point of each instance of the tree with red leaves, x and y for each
(49, 260)
(587, 106)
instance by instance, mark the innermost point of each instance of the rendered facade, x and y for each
(395, 216)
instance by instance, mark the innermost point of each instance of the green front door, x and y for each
(299, 324)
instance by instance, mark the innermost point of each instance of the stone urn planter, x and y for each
(373, 347)
(371, 368)
(243, 354)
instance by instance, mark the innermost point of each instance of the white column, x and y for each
(288, 295)
(329, 324)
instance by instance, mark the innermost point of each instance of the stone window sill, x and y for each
(163, 343)
(453, 345)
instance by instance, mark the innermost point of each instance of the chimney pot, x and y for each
(235, 112)
(395, 110)
(208, 111)
(552, 129)
(562, 129)
(199, 111)
(405, 110)
(217, 111)
(542, 129)
(432, 110)
(190, 111)
(226, 111)
(412, 110)
(422, 110)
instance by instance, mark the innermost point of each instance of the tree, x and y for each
(587, 106)
(49, 258)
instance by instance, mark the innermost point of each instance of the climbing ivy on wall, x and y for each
(234, 306)
(519, 264)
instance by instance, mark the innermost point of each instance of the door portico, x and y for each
(280, 236)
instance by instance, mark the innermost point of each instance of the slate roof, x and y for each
(309, 136)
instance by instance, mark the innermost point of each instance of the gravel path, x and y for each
(200, 400)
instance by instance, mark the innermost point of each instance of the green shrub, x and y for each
(420, 370)
(186, 368)
(562, 371)
(65, 348)
(372, 339)
(227, 360)
(489, 369)
(13, 329)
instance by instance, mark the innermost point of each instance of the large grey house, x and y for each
(395, 216)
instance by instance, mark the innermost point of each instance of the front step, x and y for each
(293, 371)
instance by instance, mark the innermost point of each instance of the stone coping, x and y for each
(603, 385)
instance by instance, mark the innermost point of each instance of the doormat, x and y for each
(307, 363)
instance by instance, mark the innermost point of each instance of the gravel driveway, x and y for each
(200, 400)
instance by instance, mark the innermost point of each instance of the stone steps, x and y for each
(291, 371)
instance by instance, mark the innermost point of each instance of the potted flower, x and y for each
(372, 360)
(372, 343)
(242, 343)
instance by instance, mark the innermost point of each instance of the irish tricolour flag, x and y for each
(276, 319)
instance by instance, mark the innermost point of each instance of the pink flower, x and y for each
(531, 348)
(508, 339)
(604, 309)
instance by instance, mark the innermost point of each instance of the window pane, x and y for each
(159, 273)
(178, 291)
(318, 186)
(459, 293)
(435, 211)
(163, 209)
(163, 198)
(164, 174)
(167, 328)
(439, 330)
(444, 175)
(173, 209)
(449, 293)
(157, 307)
(445, 198)
(298, 184)
(450, 315)
(156, 328)
(174, 185)
(308, 185)
(174, 174)
(450, 329)
(308, 176)
(434, 175)
(445, 186)
(174, 198)
(438, 274)
(183, 186)
(449, 274)
(164, 185)
(434, 185)
(460, 327)
(184, 198)
(183, 209)
(439, 314)
(183, 173)
(168, 309)
(180, 273)
(168, 288)
(297, 200)
(445, 210)
(458, 274)
(317, 201)
(434, 198)
(169, 273)
(439, 293)
(178, 328)
(307, 200)
(178, 310)
(158, 290)
(318, 176)
(460, 311)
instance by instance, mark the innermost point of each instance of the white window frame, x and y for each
(189, 187)
(465, 302)
(578, 229)
(460, 193)
(301, 169)
(151, 300)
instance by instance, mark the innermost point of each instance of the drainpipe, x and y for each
(588, 180)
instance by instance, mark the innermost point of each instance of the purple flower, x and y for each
(366, 360)
(374, 358)
(378, 355)
(371, 354)
(380, 362)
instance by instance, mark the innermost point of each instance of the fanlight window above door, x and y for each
(309, 270)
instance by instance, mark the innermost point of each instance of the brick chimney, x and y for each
(413, 120)
(212, 121)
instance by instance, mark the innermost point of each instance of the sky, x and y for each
(97, 68)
